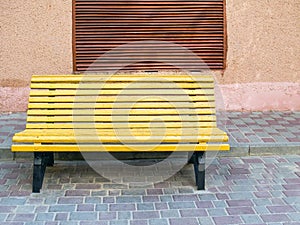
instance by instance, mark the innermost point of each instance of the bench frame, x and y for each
(44, 159)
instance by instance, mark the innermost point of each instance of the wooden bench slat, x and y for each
(119, 139)
(118, 78)
(120, 105)
(142, 118)
(138, 92)
(121, 85)
(121, 148)
(117, 111)
(115, 129)
(99, 125)
(112, 99)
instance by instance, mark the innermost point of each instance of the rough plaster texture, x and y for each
(36, 38)
(263, 41)
(262, 60)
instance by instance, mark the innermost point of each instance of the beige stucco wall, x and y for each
(263, 58)
(262, 63)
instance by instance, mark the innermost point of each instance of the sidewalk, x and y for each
(240, 189)
(257, 133)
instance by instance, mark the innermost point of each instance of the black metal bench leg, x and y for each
(190, 157)
(49, 159)
(39, 167)
(199, 167)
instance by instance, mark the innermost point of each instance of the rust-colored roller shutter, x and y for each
(148, 34)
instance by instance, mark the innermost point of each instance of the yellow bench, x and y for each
(120, 113)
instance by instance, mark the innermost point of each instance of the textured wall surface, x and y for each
(263, 41)
(35, 39)
(262, 61)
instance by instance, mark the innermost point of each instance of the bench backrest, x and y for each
(103, 101)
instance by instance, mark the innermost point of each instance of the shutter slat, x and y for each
(102, 26)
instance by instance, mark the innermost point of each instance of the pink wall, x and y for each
(231, 97)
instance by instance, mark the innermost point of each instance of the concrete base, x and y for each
(279, 150)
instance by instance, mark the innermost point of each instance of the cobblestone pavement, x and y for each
(239, 190)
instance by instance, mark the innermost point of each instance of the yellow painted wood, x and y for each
(140, 92)
(120, 105)
(118, 78)
(119, 118)
(121, 85)
(117, 139)
(117, 111)
(123, 132)
(120, 148)
(100, 125)
(98, 99)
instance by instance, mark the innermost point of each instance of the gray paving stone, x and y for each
(133, 192)
(102, 207)
(128, 199)
(146, 215)
(24, 217)
(181, 205)
(238, 188)
(166, 198)
(35, 223)
(207, 197)
(193, 212)
(109, 200)
(3, 216)
(158, 222)
(251, 219)
(69, 223)
(93, 200)
(186, 221)
(217, 212)
(138, 222)
(262, 202)
(220, 204)
(25, 209)
(294, 216)
(227, 220)
(261, 210)
(7, 208)
(118, 222)
(122, 207)
(61, 216)
(205, 221)
(45, 216)
(240, 211)
(204, 204)
(275, 218)
(83, 216)
(12, 201)
(107, 215)
(241, 195)
(124, 215)
(169, 213)
(145, 206)
(93, 222)
(62, 208)
(150, 198)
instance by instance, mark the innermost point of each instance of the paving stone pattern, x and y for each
(262, 128)
(239, 190)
